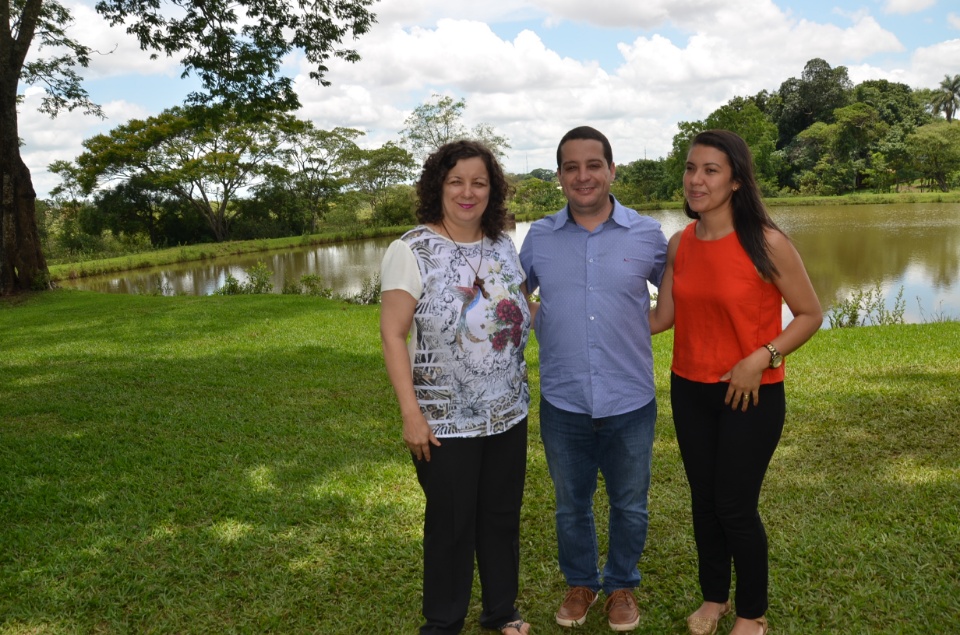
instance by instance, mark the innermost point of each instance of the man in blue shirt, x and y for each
(592, 261)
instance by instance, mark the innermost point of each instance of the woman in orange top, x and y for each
(727, 274)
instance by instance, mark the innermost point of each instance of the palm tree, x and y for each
(947, 98)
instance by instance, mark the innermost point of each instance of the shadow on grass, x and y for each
(227, 475)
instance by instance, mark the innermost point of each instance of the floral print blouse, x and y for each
(466, 347)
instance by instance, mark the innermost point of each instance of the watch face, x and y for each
(775, 357)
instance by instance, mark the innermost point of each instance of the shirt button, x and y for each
(591, 318)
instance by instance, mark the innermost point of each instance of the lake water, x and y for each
(845, 248)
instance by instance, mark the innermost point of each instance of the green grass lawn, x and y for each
(234, 465)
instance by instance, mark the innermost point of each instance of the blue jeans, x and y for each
(577, 447)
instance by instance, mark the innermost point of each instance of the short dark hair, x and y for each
(750, 216)
(586, 132)
(435, 170)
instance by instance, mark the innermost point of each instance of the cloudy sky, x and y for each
(535, 68)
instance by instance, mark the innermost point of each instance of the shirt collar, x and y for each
(619, 215)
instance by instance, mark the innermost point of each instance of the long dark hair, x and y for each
(750, 216)
(435, 170)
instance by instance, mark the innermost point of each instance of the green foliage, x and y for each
(397, 208)
(309, 284)
(544, 174)
(202, 157)
(896, 103)
(45, 26)
(259, 281)
(369, 292)
(867, 307)
(642, 180)
(231, 286)
(237, 49)
(744, 117)
(312, 172)
(812, 98)
(535, 196)
(935, 149)
(946, 98)
(377, 173)
(343, 215)
(439, 121)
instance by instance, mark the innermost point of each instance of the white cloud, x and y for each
(61, 138)
(616, 13)
(930, 63)
(954, 20)
(904, 7)
(684, 58)
(116, 53)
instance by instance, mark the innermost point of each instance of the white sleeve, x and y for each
(399, 270)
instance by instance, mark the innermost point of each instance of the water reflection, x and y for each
(916, 247)
(845, 249)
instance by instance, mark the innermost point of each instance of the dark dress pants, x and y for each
(473, 489)
(725, 454)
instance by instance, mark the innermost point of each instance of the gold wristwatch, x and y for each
(775, 357)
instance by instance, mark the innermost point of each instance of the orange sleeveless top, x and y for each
(724, 310)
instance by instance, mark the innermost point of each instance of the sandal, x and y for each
(518, 625)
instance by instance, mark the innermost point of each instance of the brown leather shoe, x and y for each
(576, 603)
(622, 611)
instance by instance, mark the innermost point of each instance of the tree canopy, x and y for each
(440, 120)
(234, 48)
(946, 99)
(202, 161)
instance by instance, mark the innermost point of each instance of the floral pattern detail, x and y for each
(469, 370)
(509, 320)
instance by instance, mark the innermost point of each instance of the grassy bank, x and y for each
(208, 251)
(234, 465)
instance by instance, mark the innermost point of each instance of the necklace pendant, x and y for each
(478, 283)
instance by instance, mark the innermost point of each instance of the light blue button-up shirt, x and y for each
(592, 326)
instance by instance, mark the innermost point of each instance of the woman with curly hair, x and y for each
(454, 325)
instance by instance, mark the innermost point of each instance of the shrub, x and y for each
(866, 307)
(308, 284)
(398, 208)
(258, 281)
(369, 292)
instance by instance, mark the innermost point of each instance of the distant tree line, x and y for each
(821, 135)
(194, 173)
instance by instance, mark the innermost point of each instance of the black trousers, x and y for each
(473, 488)
(725, 454)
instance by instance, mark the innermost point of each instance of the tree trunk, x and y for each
(22, 265)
